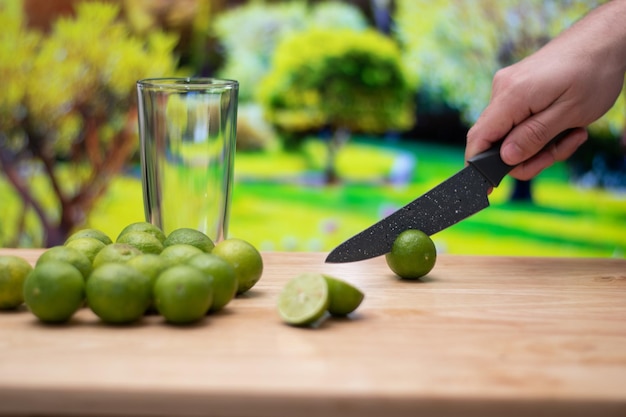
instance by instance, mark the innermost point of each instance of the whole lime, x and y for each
(413, 254)
(179, 253)
(183, 294)
(191, 237)
(143, 227)
(89, 246)
(245, 259)
(118, 293)
(54, 291)
(149, 264)
(70, 255)
(144, 241)
(94, 233)
(223, 275)
(13, 272)
(115, 252)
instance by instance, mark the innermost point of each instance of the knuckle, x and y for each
(536, 134)
(506, 79)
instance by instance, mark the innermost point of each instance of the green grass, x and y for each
(275, 212)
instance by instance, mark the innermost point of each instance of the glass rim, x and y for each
(187, 83)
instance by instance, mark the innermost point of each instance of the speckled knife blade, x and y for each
(455, 199)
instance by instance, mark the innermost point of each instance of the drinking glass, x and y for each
(187, 129)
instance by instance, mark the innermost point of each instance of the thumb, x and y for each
(530, 136)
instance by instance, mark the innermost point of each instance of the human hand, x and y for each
(568, 84)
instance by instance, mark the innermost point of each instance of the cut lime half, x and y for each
(304, 299)
(344, 297)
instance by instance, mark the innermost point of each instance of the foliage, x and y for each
(456, 47)
(189, 19)
(71, 95)
(249, 34)
(339, 78)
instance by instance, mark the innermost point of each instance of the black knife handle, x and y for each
(491, 165)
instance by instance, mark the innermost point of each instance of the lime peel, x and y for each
(344, 298)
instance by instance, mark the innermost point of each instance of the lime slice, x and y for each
(304, 299)
(412, 255)
(344, 297)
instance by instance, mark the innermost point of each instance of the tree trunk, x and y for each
(339, 137)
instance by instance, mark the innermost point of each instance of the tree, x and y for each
(70, 96)
(248, 53)
(341, 80)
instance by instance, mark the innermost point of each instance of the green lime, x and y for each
(118, 293)
(183, 294)
(94, 233)
(54, 291)
(224, 279)
(179, 253)
(304, 299)
(143, 227)
(88, 246)
(67, 254)
(246, 260)
(144, 241)
(344, 297)
(191, 237)
(149, 264)
(115, 252)
(13, 272)
(412, 255)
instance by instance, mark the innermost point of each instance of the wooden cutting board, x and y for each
(481, 336)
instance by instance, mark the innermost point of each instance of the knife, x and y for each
(458, 197)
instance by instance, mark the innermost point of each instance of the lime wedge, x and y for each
(344, 297)
(304, 299)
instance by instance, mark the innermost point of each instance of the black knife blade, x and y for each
(458, 197)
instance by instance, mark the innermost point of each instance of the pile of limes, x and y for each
(182, 276)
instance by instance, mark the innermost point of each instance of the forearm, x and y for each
(568, 84)
(600, 35)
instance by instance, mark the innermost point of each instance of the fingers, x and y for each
(513, 101)
(504, 111)
(558, 151)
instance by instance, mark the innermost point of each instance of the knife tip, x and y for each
(331, 259)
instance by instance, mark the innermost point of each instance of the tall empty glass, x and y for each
(187, 128)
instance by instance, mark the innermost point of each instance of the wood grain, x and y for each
(480, 336)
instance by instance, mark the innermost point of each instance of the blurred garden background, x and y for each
(348, 110)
